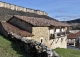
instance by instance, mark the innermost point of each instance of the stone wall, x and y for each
(41, 33)
(19, 8)
(33, 48)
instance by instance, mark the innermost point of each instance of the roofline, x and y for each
(37, 26)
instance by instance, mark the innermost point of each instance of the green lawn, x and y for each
(10, 49)
(68, 52)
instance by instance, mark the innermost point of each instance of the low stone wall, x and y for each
(34, 48)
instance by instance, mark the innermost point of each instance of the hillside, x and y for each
(5, 14)
(74, 21)
(10, 49)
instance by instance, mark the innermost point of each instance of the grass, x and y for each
(68, 52)
(10, 49)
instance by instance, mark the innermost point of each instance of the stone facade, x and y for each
(43, 33)
(19, 8)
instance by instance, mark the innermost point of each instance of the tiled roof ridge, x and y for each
(42, 20)
(74, 35)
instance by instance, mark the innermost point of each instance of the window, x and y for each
(57, 30)
(51, 31)
(63, 30)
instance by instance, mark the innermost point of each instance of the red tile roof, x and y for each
(41, 21)
(77, 34)
(10, 28)
(73, 35)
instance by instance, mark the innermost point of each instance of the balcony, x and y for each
(58, 34)
(67, 32)
(63, 33)
(52, 36)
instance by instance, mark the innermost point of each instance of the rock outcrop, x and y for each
(6, 14)
(40, 49)
(34, 48)
(19, 8)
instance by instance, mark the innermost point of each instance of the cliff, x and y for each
(8, 10)
(19, 8)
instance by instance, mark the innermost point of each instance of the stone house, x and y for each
(77, 42)
(49, 32)
(74, 39)
(7, 29)
(71, 38)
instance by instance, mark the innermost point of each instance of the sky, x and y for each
(61, 10)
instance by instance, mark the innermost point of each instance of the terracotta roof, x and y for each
(41, 21)
(77, 34)
(71, 36)
(10, 28)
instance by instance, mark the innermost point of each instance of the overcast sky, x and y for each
(58, 9)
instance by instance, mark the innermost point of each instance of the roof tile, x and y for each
(10, 28)
(41, 21)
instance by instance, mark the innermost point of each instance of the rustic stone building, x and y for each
(49, 32)
(74, 39)
(7, 29)
(71, 38)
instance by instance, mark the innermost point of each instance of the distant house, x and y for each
(73, 39)
(49, 32)
(78, 39)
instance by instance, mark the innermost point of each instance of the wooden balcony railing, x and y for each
(53, 36)
(63, 33)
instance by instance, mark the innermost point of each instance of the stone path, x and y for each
(72, 47)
